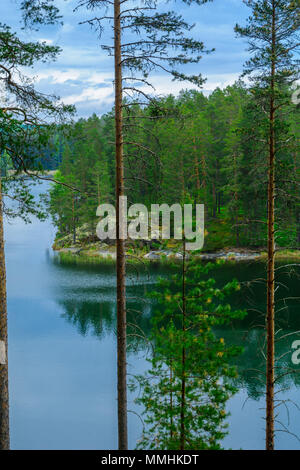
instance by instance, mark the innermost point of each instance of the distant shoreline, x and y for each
(88, 249)
(94, 255)
(29, 174)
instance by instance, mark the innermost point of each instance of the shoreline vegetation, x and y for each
(45, 173)
(167, 252)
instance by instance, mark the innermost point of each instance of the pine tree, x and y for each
(22, 109)
(187, 155)
(184, 394)
(160, 42)
(84, 172)
(273, 34)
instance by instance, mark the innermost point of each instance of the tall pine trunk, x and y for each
(121, 272)
(271, 259)
(4, 402)
(183, 356)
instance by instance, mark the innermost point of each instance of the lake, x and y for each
(62, 347)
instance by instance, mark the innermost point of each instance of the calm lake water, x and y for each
(62, 348)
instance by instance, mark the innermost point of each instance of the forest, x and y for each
(207, 149)
(144, 343)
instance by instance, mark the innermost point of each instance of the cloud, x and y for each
(92, 91)
(83, 73)
(78, 76)
(47, 41)
(91, 94)
(164, 85)
(58, 76)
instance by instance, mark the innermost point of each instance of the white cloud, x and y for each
(58, 76)
(91, 94)
(47, 41)
(100, 77)
(93, 90)
(164, 85)
(83, 76)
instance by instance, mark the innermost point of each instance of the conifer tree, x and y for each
(273, 34)
(186, 150)
(22, 111)
(144, 40)
(184, 394)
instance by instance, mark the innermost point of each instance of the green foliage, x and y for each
(37, 12)
(160, 41)
(211, 148)
(272, 32)
(185, 392)
(28, 118)
(86, 178)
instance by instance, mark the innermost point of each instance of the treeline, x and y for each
(40, 149)
(212, 150)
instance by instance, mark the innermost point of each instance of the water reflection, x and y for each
(62, 347)
(89, 305)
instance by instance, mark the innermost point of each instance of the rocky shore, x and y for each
(109, 253)
(90, 249)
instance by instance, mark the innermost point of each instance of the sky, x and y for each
(83, 73)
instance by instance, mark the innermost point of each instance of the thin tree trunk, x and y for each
(271, 261)
(73, 217)
(214, 211)
(204, 182)
(98, 190)
(296, 208)
(183, 379)
(298, 228)
(4, 401)
(236, 209)
(196, 165)
(204, 172)
(182, 177)
(171, 402)
(121, 272)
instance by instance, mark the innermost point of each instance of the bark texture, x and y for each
(271, 260)
(183, 359)
(4, 401)
(121, 271)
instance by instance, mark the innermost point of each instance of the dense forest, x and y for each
(205, 328)
(210, 149)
